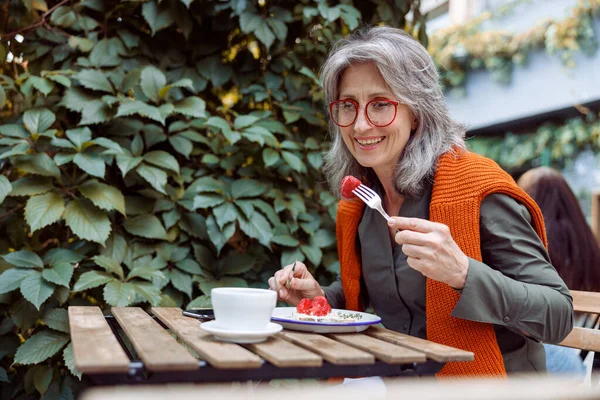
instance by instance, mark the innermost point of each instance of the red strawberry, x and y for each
(349, 183)
(304, 306)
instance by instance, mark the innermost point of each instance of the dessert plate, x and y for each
(358, 323)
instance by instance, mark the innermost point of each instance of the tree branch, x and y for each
(36, 24)
(6, 214)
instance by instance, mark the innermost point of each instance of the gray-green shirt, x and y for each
(514, 287)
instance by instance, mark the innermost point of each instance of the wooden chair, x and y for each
(587, 339)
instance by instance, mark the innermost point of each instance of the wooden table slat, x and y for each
(217, 353)
(282, 353)
(95, 348)
(384, 351)
(583, 338)
(435, 351)
(155, 346)
(333, 351)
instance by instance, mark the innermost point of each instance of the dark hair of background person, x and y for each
(573, 248)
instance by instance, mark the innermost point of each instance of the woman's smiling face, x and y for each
(372, 146)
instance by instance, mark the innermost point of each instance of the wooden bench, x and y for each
(584, 338)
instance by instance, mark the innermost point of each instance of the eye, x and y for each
(345, 105)
(381, 104)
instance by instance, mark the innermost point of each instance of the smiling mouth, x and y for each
(369, 142)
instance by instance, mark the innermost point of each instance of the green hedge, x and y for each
(151, 151)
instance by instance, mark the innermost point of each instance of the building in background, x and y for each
(547, 88)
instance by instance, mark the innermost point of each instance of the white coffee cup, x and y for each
(243, 309)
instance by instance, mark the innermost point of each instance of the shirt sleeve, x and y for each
(334, 294)
(515, 285)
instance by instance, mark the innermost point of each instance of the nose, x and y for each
(361, 124)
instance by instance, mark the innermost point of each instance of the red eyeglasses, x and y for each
(379, 112)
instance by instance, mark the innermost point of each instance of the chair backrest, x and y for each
(584, 338)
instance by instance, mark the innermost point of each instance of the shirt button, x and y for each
(405, 327)
(506, 319)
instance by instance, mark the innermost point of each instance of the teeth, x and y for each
(369, 141)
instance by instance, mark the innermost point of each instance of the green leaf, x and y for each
(63, 80)
(199, 302)
(234, 263)
(162, 159)
(103, 196)
(94, 79)
(87, 221)
(108, 144)
(190, 266)
(148, 291)
(247, 188)
(313, 253)
(126, 162)
(147, 273)
(11, 279)
(137, 107)
(79, 137)
(258, 228)
(249, 21)
(217, 237)
(208, 200)
(119, 294)
(293, 161)
(42, 378)
(3, 375)
(191, 106)
(147, 226)
(69, 360)
(109, 265)
(31, 185)
(43, 210)
(154, 176)
(43, 85)
(270, 157)
(194, 224)
(40, 347)
(181, 145)
(264, 34)
(278, 27)
(24, 258)
(152, 81)
(218, 123)
(35, 289)
(60, 274)
(106, 53)
(288, 257)
(182, 282)
(16, 131)
(39, 164)
(57, 319)
(244, 121)
(91, 279)
(285, 240)
(157, 17)
(90, 163)
(60, 256)
(116, 247)
(324, 238)
(225, 213)
(38, 120)
(5, 188)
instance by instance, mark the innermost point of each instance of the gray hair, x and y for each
(410, 73)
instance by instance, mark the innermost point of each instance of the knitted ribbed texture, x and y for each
(460, 184)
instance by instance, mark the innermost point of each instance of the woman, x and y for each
(464, 262)
(573, 248)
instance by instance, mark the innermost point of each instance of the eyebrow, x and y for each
(377, 94)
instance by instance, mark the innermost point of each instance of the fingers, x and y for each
(413, 224)
(412, 237)
(420, 252)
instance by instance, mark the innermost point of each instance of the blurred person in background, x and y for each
(573, 248)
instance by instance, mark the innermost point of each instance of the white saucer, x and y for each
(235, 336)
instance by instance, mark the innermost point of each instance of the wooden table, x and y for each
(133, 347)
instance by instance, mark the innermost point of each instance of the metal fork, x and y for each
(371, 198)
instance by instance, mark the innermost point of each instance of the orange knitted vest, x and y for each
(460, 184)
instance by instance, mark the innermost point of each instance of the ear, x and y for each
(415, 124)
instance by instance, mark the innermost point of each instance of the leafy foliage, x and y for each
(459, 49)
(153, 150)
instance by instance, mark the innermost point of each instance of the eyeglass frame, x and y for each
(357, 105)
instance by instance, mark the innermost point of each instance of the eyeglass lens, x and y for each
(379, 112)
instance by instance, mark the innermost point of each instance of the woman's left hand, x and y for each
(431, 250)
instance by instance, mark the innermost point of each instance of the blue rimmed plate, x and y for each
(284, 316)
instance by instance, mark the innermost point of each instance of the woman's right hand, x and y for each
(302, 284)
